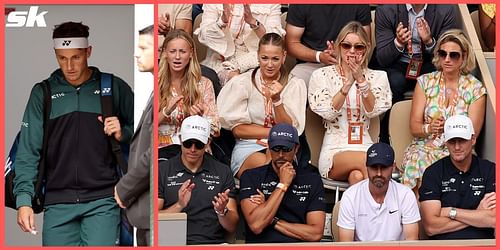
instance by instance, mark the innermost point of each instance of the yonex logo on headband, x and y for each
(71, 43)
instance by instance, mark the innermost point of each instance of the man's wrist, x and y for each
(223, 213)
(399, 46)
(318, 53)
(274, 221)
(23, 200)
(452, 214)
(430, 43)
(283, 187)
(178, 206)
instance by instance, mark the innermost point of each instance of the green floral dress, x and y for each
(422, 152)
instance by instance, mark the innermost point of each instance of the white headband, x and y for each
(71, 43)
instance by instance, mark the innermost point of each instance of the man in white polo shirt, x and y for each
(378, 208)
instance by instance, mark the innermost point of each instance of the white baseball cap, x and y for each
(458, 126)
(195, 127)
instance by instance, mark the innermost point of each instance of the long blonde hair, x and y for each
(356, 28)
(190, 80)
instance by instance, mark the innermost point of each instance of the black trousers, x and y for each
(143, 237)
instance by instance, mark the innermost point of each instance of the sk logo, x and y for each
(30, 18)
(66, 43)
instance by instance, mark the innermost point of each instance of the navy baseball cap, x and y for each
(380, 154)
(283, 134)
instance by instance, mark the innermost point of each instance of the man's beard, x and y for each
(379, 182)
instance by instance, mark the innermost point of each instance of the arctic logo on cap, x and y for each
(459, 126)
(198, 127)
(373, 154)
(286, 134)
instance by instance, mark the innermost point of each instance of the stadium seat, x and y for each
(201, 49)
(399, 129)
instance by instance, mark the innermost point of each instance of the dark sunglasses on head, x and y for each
(357, 47)
(454, 55)
(278, 149)
(197, 144)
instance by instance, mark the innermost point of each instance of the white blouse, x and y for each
(239, 102)
(238, 43)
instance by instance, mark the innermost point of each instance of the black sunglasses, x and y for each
(454, 55)
(278, 149)
(357, 47)
(197, 144)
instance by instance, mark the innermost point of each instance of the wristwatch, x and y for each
(453, 213)
(274, 221)
(282, 186)
(256, 25)
(223, 212)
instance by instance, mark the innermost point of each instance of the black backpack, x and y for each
(121, 152)
(9, 174)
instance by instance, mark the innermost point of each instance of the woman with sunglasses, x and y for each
(183, 91)
(346, 96)
(451, 90)
(251, 103)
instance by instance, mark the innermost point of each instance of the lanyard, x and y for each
(357, 109)
(409, 46)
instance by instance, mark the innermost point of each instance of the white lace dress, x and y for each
(323, 86)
